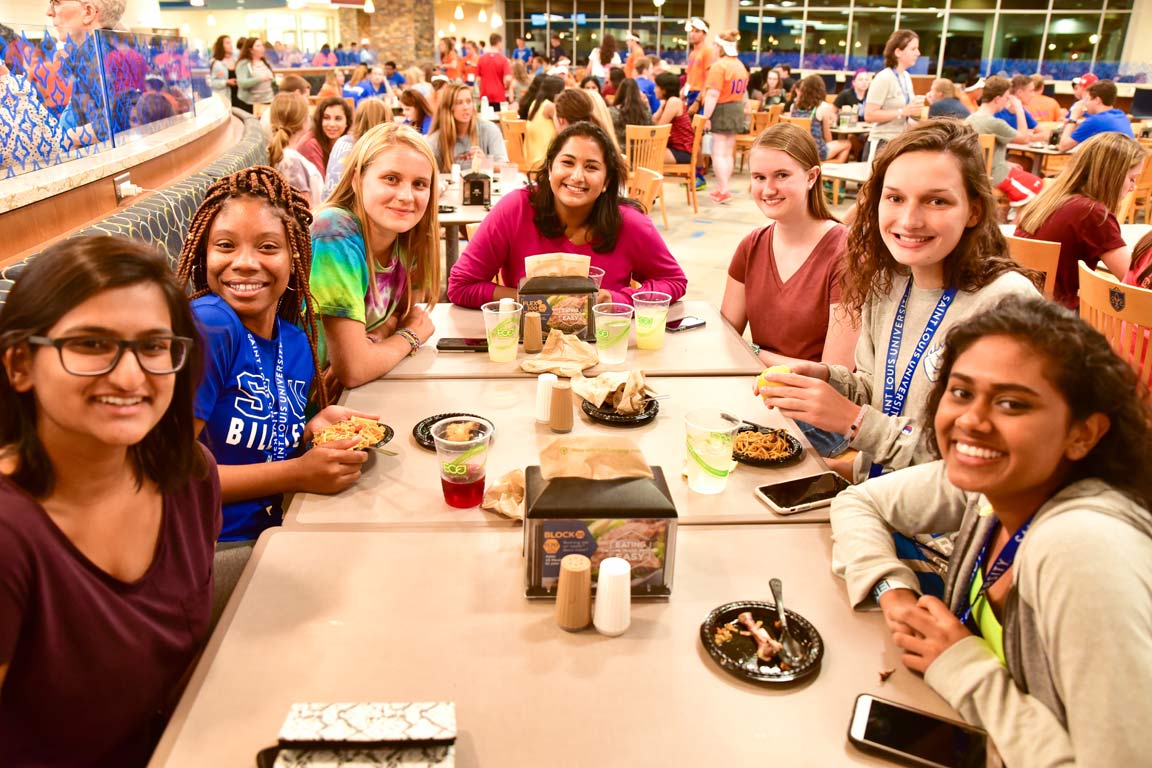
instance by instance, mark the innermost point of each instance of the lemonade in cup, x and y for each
(709, 443)
(651, 314)
(613, 325)
(502, 326)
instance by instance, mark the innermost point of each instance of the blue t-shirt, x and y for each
(648, 88)
(1009, 117)
(237, 400)
(1109, 121)
(397, 79)
(523, 54)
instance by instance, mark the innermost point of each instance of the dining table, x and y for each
(858, 172)
(441, 616)
(1037, 151)
(404, 490)
(461, 215)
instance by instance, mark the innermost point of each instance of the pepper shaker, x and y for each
(560, 414)
(533, 341)
(574, 593)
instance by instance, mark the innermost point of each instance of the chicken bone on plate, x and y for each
(622, 391)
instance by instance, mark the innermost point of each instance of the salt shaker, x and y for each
(574, 593)
(544, 384)
(613, 614)
(560, 413)
(533, 342)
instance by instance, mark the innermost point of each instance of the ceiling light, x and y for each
(658, 3)
(459, 14)
(483, 17)
(211, 20)
(369, 7)
(497, 22)
(451, 27)
(196, 3)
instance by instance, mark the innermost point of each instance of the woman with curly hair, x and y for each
(1044, 446)
(810, 103)
(573, 205)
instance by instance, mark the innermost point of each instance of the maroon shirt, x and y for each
(1085, 230)
(492, 69)
(94, 664)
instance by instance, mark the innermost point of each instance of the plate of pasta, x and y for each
(372, 434)
(765, 447)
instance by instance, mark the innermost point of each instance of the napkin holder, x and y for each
(477, 189)
(564, 303)
(632, 517)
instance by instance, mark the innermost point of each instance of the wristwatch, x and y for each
(881, 587)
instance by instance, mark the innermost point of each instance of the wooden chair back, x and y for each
(804, 123)
(775, 112)
(514, 133)
(758, 123)
(645, 145)
(1123, 313)
(644, 185)
(751, 106)
(687, 171)
(1142, 194)
(1040, 255)
(988, 147)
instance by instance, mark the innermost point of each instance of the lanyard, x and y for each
(279, 440)
(903, 85)
(1002, 563)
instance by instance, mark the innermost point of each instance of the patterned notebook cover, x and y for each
(409, 757)
(424, 723)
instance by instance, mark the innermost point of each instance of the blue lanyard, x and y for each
(278, 443)
(903, 86)
(1002, 563)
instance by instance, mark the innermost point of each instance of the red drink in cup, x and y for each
(462, 451)
(463, 495)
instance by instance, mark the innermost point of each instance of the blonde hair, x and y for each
(288, 114)
(370, 113)
(420, 246)
(1098, 170)
(444, 124)
(729, 35)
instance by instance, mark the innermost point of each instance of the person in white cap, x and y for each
(635, 52)
(701, 57)
(725, 92)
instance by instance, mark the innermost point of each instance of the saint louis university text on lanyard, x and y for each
(1002, 563)
(279, 440)
(894, 396)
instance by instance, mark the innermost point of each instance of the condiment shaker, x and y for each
(574, 593)
(533, 341)
(613, 614)
(560, 413)
(544, 384)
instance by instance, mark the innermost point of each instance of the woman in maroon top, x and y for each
(672, 111)
(783, 278)
(109, 508)
(1078, 210)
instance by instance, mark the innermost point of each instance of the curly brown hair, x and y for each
(291, 206)
(982, 253)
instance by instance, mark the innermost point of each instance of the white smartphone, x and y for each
(915, 737)
(792, 496)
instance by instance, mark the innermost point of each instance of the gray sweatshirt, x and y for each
(1077, 620)
(895, 441)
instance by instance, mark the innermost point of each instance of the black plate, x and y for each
(796, 452)
(389, 433)
(422, 432)
(738, 655)
(613, 419)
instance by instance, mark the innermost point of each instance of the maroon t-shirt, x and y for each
(94, 663)
(492, 69)
(1085, 230)
(790, 318)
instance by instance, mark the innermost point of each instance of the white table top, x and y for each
(859, 128)
(424, 616)
(469, 214)
(714, 350)
(858, 172)
(404, 490)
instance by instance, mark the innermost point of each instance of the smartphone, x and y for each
(915, 737)
(462, 345)
(792, 496)
(683, 324)
(447, 209)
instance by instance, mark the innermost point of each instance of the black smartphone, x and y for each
(462, 345)
(792, 496)
(447, 209)
(683, 324)
(915, 737)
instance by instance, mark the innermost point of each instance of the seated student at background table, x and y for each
(1020, 88)
(376, 255)
(810, 103)
(573, 106)
(1140, 273)
(672, 111)
(1042, 637)
(630, 108)
(1078, 210)
(458, 134)
(1017, 184)
(369, 114)
(109, 509)
(924, 253)
(1100, 117)
(855, 92)
(784, 277)
(289, 133)
(246, 260)
(573, 205)
(942, 101)
(417, 111)
(539, 109)
(331, 119)
(1043, 107)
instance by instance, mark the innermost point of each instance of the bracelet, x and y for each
(857, 423)
(881, 587)
(409, 337)
(755, 348)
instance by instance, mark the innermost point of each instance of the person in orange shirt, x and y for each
(1044, 108)
(972, 93)
(725, 91)
(449, 61)
(471, 60)
(700, 60)
(635, 51)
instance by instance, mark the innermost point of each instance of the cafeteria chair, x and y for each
(804, 123)
(988, 147)
(643, 186)
(758, 122)
(687, 171)
(1123, 314)
(514, 133)
(1040, 255)
(751, 106)
(644, 147)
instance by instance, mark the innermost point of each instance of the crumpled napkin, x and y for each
(506, 495)
(563, 355)
(623, 391)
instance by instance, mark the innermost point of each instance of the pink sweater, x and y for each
(507, 236)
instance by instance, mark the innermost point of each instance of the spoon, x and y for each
(792, 652)
(385, 451)
(735, 420)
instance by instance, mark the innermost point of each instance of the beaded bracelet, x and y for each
(856, 424)
(409, 337)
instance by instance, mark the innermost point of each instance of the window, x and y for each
(825, 40)
(870, 31)
(1018, 41)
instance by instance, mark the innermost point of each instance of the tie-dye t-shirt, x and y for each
(339, 277)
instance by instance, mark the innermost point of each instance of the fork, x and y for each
(791, 651)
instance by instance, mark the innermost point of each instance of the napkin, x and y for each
(563, 355)
(623, 391)
(596, 457)
(506, 495)
(557, 265)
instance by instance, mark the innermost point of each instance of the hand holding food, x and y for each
(367, 432)
(763, 381)
(332, 467)
(804, 398)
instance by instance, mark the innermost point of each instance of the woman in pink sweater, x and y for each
(573, 206)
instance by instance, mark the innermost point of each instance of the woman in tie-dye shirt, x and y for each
(379, 222)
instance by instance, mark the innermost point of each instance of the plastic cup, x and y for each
(709, 443)
(502, 326)
(509, 176)
(613, 324)
(597, 275)
(462, 463)
(651, 314)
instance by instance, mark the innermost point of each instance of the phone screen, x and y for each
(806, 490)
(683, 324)
(465, 345)
(924, 736)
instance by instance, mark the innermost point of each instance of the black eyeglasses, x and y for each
(97, 355)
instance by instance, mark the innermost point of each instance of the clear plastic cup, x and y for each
(613, 326)
(462, 462)
(502, 326)
(597, 275)
(709, 443)
(509, 176)
(651, 314)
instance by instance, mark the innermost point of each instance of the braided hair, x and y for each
(292, 207)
